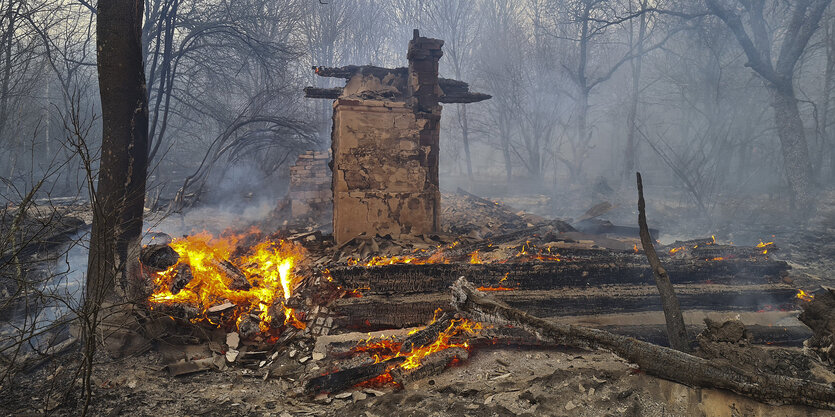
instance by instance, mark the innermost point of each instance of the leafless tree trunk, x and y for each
(120, 195)
(804, 17)
(630, 161)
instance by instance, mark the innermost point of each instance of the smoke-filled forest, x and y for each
(205, 201)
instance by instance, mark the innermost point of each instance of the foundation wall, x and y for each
(310, 186)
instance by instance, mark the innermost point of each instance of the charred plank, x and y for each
(427, 335)
(341, 380)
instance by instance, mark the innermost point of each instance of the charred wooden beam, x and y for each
(453, 91)
(432, 364)
(341, 380)
(468, 97)
(654, 360)
(578, 268)
(427, 335)
(329, 93)
(379, 312)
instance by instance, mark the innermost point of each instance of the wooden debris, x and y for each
(427, 335)
(340, 380)
(182, 277)
(654, 360)
(158, 256)
(239, 281)
(819, 314)
(220, 307)
(432, 364)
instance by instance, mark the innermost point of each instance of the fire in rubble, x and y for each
(803, 295)
(453, 334)
(257, 281)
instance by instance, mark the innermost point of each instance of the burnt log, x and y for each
(655, 360)
(341, 380)
(427, 335)
(432, 364)
(182, 277)
(239, 281)
(159, 256)
(329, 93)
(380, 312)
(578, 268)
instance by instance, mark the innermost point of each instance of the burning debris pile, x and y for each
(265, 303)
(224, 282)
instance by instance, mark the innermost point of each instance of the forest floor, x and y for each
(494, 381)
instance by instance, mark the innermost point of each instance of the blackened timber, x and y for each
(329, 93)
(341, 380)
(427, 335)
(432, 364)
(376, 312)
(469, 97)
(609, 268)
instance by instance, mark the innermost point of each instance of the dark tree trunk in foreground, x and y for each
(120, 195)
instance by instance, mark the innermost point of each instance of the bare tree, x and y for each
(119, 196)
(799, 21)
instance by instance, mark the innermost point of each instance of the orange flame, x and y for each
(267, 267)
(495, 289)
(474, 259)
(803, 295)
(384, 349)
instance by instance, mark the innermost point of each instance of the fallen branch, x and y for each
(653, 359)
(676, 332)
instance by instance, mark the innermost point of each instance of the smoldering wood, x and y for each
(655, 360)
(239, 281)
(159, 256)
(427, 335)
(182, 276)
(578, 268)
(819, 315)
(432, 364)
(379, 312)
(676, 331)
(341, 380)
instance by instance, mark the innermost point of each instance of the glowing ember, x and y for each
(384, 349)
(762, 245)
(674, 250)
(267, 267)
(495, 289)
(803, 295)
(474, 259)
